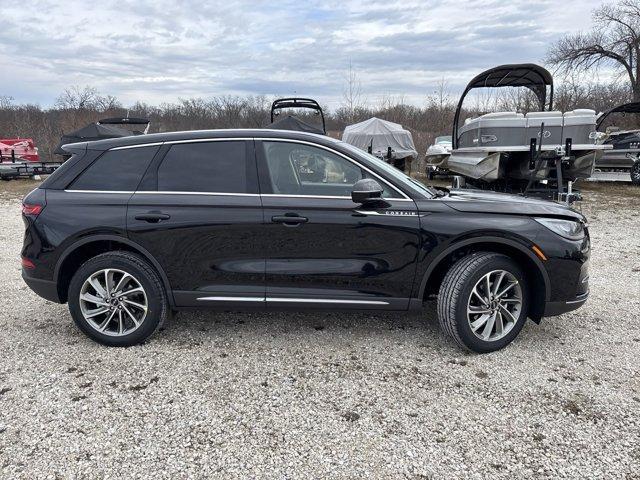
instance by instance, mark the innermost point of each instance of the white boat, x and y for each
(438, 153)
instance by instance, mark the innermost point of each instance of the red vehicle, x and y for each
(18, 149)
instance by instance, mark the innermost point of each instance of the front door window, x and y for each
(299, 169)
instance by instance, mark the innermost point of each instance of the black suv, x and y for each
(130, 230)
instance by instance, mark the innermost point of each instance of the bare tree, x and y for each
(352, 93)
(6, 102)
(441, 106)
(614, 41)
(76, 98)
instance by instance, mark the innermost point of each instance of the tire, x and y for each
(456, 295)
(118, 332)
(635, 173)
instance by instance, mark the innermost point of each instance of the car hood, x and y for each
(480, 201)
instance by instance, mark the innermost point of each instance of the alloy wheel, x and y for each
(113, 302)
(494, 306)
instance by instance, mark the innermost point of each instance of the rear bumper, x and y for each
(47, 289)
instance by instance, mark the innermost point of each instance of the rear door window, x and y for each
(116, 170)
(214, 167)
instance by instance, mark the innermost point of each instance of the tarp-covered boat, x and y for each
(377, 136)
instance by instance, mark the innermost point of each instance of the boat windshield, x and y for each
(443, 139)
(393, 172)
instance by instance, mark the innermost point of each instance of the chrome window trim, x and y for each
(100, 191)
(283, 195)
(200, 140)
(216, 194)
(140, 145)
(335, 152)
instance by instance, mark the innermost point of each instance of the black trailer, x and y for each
(11, 169)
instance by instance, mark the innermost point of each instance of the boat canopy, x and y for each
(527, 75)
(295, 102)
(633, 107)
(124, 121)
(378, 135)
(105, 128)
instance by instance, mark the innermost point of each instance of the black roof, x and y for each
(156, 138)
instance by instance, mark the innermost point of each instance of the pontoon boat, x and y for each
(541, 152)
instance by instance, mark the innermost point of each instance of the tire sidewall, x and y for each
(156, 303)
(462, 323)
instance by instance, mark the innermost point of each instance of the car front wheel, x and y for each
(483, 301)
(118, 299)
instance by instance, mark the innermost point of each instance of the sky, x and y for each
(159, 51)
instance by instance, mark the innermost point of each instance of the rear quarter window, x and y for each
(116, 170)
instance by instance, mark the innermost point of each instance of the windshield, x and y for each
(390, 170)
(443, 139)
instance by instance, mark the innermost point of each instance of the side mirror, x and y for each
(366, 191)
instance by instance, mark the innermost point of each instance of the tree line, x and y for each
(76, 107)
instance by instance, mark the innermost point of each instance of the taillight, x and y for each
(31, 210)
(34, 203)
(28, 264)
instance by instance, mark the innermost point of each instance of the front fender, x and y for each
(437, 258)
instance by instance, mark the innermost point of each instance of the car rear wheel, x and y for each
(118, 299)
(483, 301)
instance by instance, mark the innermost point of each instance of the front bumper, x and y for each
(552, 309)
(576, 300)
(47, 289)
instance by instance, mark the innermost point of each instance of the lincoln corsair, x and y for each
(130, 230)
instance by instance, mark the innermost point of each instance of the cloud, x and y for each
(161, 50)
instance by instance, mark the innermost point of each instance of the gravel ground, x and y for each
(234, 395)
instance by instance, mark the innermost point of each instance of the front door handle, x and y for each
(289, 219)
(153, 217)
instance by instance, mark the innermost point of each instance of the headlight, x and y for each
(570, 229)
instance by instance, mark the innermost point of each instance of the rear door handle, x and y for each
(289, 219)
(152, 217)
